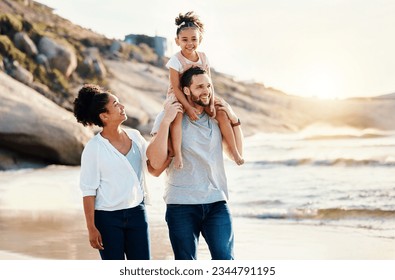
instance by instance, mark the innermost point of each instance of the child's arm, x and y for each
(175, 83)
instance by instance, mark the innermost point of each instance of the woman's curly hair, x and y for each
(90, 103)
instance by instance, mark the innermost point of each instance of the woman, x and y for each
(112, 180)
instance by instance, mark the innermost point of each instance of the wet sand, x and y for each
(65, 238)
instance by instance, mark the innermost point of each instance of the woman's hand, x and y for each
(95, 239)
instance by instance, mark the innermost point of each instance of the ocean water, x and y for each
(340, 177)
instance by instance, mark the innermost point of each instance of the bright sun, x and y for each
(321, 83)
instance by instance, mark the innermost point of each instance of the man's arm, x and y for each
(157, 150)
(157, 172)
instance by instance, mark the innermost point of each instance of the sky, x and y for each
(313, 48)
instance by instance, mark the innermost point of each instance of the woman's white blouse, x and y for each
(108, 175)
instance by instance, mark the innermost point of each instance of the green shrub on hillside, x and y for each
(59, 79)
(8, 49)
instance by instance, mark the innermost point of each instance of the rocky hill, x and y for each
(44, 59)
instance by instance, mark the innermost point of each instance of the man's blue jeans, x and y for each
(124, 233)
(213, 220)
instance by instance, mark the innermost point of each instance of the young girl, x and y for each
(189, 36)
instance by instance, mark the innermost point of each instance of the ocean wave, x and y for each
(327, 132)
(264, 202)
(327, 162)
(345, 136)
(322, 214)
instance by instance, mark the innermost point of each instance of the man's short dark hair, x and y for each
(186, 78)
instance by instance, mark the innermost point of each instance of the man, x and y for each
(196, 195)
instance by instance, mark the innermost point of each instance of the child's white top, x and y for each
(180, 63)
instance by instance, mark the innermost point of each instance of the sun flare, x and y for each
(322, 83)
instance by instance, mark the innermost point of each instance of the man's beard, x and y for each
(197, 101)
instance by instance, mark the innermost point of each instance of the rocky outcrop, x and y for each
(140, 90)
(59, 56)
(15, 70)
(92, 65)
(23, 42)
(33, 125)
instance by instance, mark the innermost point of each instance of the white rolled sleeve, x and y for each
(90, 177)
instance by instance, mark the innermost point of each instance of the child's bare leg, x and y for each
(176, 138)
(229, 137)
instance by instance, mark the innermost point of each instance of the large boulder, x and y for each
(23, 42)
(15, 70)
(141, 91)
(33, 125)
(59, 56)
(92, 64)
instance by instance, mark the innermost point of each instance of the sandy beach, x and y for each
(67, 240)
(41, 218)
